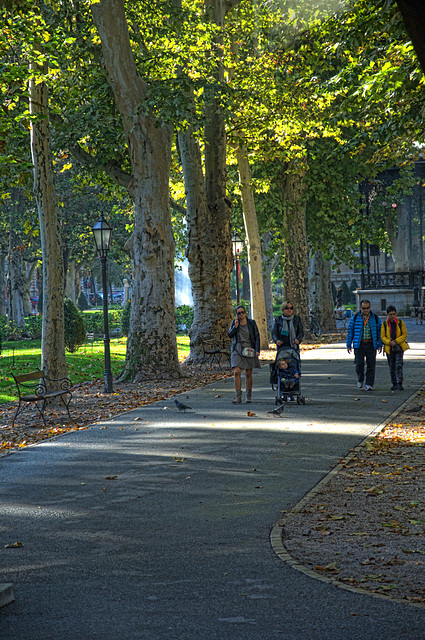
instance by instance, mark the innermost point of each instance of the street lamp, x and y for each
(102, 236)
(237, 245)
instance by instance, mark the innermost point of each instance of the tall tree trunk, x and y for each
(320, 291)
(208, 252)
(53, 337)
(15, 280)
(151, 343)
(270, 264)
(296, 246)
(70, 290)
(29, 270)
(246, 285)
(255, 266)
(2, 283)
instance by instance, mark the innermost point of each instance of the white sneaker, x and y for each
(368, 387)
(360, 385)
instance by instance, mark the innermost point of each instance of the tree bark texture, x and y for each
(15, 280)
(270, 264)
(255, 265)
(296, 246)
(53, 361)
(71, 281)
(320, 291)
(2, 281)
(151, 343)
(208, 251)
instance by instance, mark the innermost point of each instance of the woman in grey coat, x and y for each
(244, 352)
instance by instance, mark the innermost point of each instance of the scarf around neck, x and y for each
(288, 328)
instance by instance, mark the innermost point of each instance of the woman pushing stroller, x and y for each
(287, 333)
(288, 328)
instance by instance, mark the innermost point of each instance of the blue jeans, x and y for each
(367, 352)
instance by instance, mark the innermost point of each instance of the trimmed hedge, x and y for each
(75, 331)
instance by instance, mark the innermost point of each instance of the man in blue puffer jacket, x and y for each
(364, 334)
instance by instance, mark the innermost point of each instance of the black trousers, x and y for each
(395, 363)
(366, 352)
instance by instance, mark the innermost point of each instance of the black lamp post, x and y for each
(237, 250)
(102, 236)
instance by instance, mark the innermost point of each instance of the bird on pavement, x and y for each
(181, 407)
(278, 410)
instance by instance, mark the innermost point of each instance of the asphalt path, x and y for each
(155, 525)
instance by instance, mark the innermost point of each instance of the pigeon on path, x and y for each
(182, 407)
(278, 410)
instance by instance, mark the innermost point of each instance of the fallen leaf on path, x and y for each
(250, 413)
(13, 545)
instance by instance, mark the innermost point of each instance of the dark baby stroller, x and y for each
(284, 394)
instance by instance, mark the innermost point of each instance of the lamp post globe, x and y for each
(102, 233)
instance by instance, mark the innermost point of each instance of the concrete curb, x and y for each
(277, 534)
(6, 594)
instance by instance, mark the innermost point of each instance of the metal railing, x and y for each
(393, 280)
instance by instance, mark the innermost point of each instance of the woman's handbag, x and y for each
(248, 352)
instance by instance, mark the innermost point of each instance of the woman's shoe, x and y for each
(238, 397)
(248, 396)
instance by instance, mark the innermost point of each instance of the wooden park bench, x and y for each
(214, 351)
(37, 388)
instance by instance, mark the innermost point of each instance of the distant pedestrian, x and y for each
(364, 334)
(394, 335)
(338, 299)
(244, 352)
(419, 315)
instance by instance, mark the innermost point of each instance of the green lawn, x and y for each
(86, 364)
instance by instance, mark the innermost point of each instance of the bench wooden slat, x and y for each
(34, 375)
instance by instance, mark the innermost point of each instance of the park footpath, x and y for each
(156, 525)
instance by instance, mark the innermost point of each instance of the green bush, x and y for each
(346, 293)
(11, 331)
(125, 318)
(3, 326)
(75, 331)
(94, 321)
(184, 318)
(82, 302)
(34, 326)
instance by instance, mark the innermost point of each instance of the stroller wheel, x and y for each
(302, 400)
(299, 400)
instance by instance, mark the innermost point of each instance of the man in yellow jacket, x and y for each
(393, 336)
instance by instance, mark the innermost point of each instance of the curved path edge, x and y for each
(276, 534)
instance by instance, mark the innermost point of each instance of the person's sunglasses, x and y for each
(240, 313)
(289, 308)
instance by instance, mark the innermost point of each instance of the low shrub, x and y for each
(75, 331)
(125, 318)
(82, 302)
(94, 321)
(184, 318)
(34, 326)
